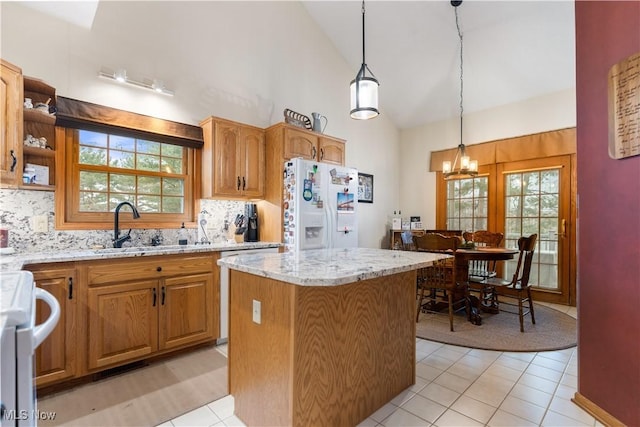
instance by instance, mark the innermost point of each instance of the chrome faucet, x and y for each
(117, 240)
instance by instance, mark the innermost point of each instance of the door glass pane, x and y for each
(531, 207)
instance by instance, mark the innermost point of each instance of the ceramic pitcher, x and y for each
(317, 122)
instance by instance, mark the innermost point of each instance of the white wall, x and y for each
(245, 61)
(417, 191)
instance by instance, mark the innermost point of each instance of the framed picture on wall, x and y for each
(365, 188)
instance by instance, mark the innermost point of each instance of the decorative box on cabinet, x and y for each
(285, 142)
(11, 100)
(232, 160)
(56, 357)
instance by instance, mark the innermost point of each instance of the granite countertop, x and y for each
(17, 261)
(330, 267)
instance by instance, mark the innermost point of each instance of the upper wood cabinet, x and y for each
(233, 160)
(11, 102)
(311, 146)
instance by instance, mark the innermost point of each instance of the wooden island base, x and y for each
(322, 355)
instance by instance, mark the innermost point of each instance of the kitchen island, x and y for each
(321, 337)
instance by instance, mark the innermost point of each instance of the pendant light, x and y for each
(467, 168)
(364, 90)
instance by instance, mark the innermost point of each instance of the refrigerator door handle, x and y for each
(328, 226)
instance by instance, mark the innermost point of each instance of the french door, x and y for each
(534, 197)
(521, 198)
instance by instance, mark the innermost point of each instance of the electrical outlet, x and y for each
(40, 224)
(257, 312)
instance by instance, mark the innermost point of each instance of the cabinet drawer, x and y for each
(148, 268)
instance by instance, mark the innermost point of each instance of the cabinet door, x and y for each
(300, 144)
(56, 357)
(10, 124)
(331, 151)
(123, 322)
(226, 161)
(187, 312)
(253, 157)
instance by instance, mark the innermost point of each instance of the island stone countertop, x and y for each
(18, 261)
(330, 267)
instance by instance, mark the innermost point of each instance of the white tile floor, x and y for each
(459, 386)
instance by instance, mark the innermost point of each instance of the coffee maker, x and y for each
(251, 216)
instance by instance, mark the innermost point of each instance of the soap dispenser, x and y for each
(183, 235)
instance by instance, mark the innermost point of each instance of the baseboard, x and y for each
(597, 412)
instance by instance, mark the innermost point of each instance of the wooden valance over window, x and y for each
(538, 145)
(85, 115)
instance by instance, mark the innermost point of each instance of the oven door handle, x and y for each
(43, 330)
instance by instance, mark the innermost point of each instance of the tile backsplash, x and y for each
(19, 207)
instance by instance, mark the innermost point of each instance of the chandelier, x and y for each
(466, 168)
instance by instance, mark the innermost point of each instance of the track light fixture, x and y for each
(120, 76)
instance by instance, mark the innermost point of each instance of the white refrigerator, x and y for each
(320, 203)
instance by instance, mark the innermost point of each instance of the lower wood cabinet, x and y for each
(149, 306)
(55, 358)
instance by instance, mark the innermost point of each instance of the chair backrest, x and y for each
(484, 238)
(526, 246)
(434, 242)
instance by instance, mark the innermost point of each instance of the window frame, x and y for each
(69, 217)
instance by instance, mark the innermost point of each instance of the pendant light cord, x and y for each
(364, 63)
(461, 72)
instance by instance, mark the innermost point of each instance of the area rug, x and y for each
(553, 331)
(146, 396)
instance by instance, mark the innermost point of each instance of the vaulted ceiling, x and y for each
(513, 50)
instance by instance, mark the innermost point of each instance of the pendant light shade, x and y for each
(364, 89)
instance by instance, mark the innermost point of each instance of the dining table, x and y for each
(462, 258)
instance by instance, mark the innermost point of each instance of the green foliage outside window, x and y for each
(146, 173)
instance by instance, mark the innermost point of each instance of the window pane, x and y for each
(172, 204)
(148, 147)
(92, 156)
(530, 206)
(548, 227)
(171, 165)
(121, 143)
(93, 181)
(172, 151)
(148, 162)
(549, 181)
(122, 183)
(149, 185)
(117, 198)
(93, 139)
(530, 181)
(171, 186)
(549, 205)
(512, 206)
(121, 159)
(93, 202)
(149, 203)
(513, 184)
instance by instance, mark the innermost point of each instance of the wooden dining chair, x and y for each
(481, 270)
(518, 287)
(440, 278)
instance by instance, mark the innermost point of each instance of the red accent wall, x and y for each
(608, 219)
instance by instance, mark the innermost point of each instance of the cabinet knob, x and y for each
(158, 269)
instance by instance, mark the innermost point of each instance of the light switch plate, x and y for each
(40, 224)
(257, 309)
